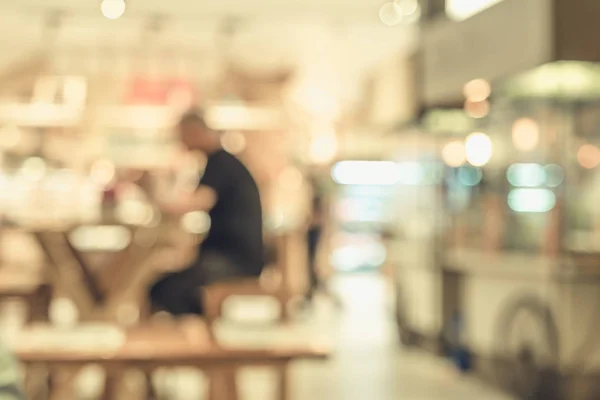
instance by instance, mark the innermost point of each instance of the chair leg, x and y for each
(230, 378)
(283, 387)
(222, 384)
(285, 315)
(111, 387)
(150, 390)
(62, 384)
(39, 304)
(36, 381)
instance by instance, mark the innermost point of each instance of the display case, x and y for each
(519, 262)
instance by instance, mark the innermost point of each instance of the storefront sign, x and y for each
(149, 91)
(513, 36)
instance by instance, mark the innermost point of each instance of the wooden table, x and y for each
(98, 294)
(147, 349)
(34, 289)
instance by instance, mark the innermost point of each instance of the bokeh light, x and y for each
(479, 149)
(102, 172)
(525, 134)
(477, 90)
(34, 169)
(531, 200)
(470, 176)
(233, 142)
(10, 136)
(390, 15)
(113, 9)
(477, 109)
(555, 175)
(454, 154)
(134, 212)
(409, 10)
(291, 178)
(526, 175)
(324, 146)
(374, 173)
(588, 156)
(196, 222)
(407, 7)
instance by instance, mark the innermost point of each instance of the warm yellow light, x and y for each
(113, 9)
(525, 134)
(196, 222)
(75, 91)
(233, 142)
(389, 15)
(10, 136)
(291, 178)
(103, 172)
(477, 90)
(407, 7)
(478, 148)
(316, 100)
(324, 147)
(34, 168)
(477, 109)
(454, 154)
(588, 156)
(134, 212)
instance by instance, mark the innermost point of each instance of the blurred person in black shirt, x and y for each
(233, 247)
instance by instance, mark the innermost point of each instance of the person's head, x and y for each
(195, 134)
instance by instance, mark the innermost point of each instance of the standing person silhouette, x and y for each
(233, 247)
(319, 214)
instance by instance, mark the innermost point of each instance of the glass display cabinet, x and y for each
(520, 260)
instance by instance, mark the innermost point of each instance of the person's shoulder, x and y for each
(231, 163)
(222, 158)
(229, 160)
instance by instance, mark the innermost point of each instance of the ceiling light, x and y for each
(113, 9)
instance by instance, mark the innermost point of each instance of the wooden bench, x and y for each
(215, 295)
(147, 349)
(34, 289)
(274, 282)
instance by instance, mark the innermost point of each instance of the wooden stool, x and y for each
(214, 296)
